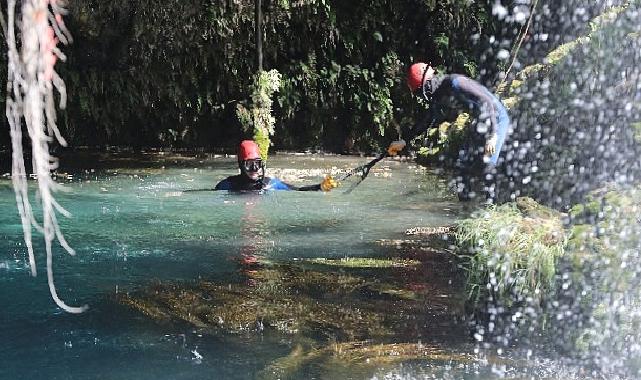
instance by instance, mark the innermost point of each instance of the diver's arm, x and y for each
(277, 184)
(432, 118)
(327, 184)
(427, 121)
(316, 187)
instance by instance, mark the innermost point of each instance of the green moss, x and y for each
(514, 250)
(561, 52)
(606, 17)
(448, 137)
(511, 101)
(584, 209)
(461, 122)
(263, 142)
(599, 254)
(515, 84)
(258, 116)
(529, 70)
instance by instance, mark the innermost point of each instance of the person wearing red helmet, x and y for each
(252, 174)
(447, 95)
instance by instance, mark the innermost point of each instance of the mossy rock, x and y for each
(531, 208)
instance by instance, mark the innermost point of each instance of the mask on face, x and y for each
(253, 165)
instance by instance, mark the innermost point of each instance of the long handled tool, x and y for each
(363, 170)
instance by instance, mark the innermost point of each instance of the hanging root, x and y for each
(30, 96)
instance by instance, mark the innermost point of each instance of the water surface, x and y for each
(134, 226)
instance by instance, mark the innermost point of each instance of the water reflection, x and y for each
(253, 230)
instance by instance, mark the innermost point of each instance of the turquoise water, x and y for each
(134, 226)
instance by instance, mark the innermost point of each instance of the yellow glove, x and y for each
(395, 147)
(328, 183)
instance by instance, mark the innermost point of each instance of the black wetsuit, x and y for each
(241, 182)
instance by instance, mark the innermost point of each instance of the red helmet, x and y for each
(248, 150)
(415, 75)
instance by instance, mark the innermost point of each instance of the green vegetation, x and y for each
(306, 300)
(587, 268)
(259, 118)
(172, 73)
(557, 115)
(446, 140)
(513, 247)
(598, 26)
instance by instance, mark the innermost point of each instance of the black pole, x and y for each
(259, 34)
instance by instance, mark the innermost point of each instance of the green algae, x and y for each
(636, 127)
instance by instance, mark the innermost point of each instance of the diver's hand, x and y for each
(490, 145)
(395, 147)
(328, 183)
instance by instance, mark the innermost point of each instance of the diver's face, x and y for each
(252, 168)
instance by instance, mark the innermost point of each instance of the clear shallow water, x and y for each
(132, 227)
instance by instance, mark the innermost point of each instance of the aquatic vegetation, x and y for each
(362, 357)
(300, 299)
(513, 247)
(327, 313)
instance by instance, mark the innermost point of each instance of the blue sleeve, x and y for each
(277, 184)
